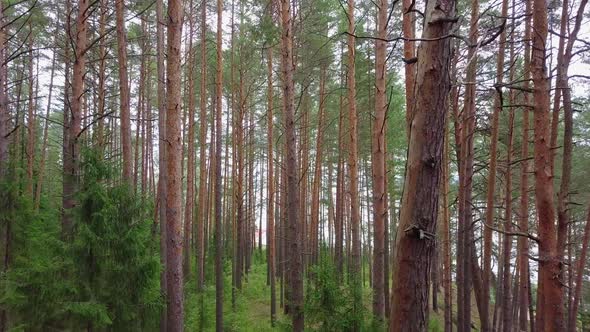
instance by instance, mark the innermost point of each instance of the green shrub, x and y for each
(329, 305)
(107, 277)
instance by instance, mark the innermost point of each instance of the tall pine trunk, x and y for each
(523, 221)
(466, 161)
(355, 272)
(409, 32)
(317, 174)
(163, 171)
(31, 118)
(295, 269)
(174, 238)
(190, 165)
(270, 209)
(491, 189)
(123, 89)
(72, 158)
(550, 289)
(4, 114)
(201, 213)
(218, 220)
(378, 164)
(415, 241)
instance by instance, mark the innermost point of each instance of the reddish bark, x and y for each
(550, 289)
(414, 247)
(72, 149)
(491, 189)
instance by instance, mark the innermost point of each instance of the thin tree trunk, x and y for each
(550, 290)
(201, 214)
(317, 177)
(507, 244)
(564, 25)
(292, 169)
(491, 188)
(31, 119)
(446, 229)
(242, 213)
(353, 170)
(173, 140)
(563, 214)
(162, 159)
(139, 114)
(562, 205)
(190, 168)
(580, 266)
(218, 220)
(270, 180)
(523, 244)
(4, 113)
(67, 180)
(71, 160)
(378, 164)
(304, 158)
(465, 218)
(123, 89)
(340, 170)
(101, 75)
(41, 174)
(409, 32)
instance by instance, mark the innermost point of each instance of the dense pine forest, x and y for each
(295, 165)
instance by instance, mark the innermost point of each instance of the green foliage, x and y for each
(117, 260)
(329, 305)
(33, 289)
(252, 307)
(107, 277)
(434, 324)
(584, 318)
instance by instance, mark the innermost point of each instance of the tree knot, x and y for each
(419, 233)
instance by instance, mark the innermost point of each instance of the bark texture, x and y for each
(415, 244)
(295, 268)
(174, 236)
(378, 165)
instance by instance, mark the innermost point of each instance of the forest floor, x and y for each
(252, 305)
